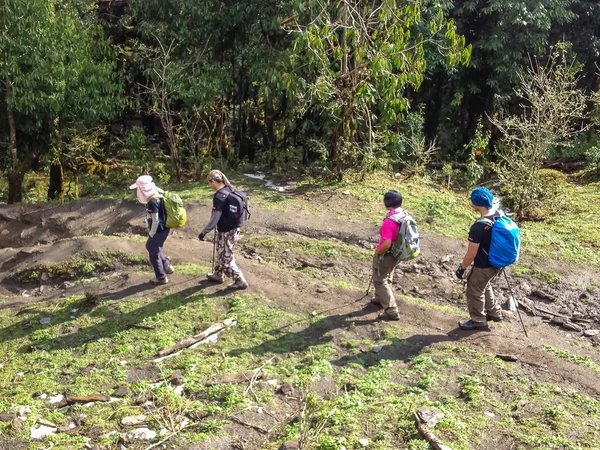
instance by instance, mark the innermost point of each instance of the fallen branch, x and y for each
(435, 443)
(256, 376)
(199, 337)
(249, 425)
(87, 399)
(231, 379)
(142, 327)
(306, 263)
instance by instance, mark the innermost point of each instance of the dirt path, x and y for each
(37, 235)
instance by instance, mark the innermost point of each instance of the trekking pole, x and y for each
(214, 248)
(514, 298)
(369, 287)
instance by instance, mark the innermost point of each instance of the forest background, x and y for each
(463, 92)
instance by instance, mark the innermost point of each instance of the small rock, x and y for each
(290, 445)
(122, 391)
(179, 390)
(430, 416)
(177, 378)
(132, 420)
(272, 382)
(45, 276)
(43, 396)
(56, 399)
(364, 442)
(21, 374)
(17, 424)
(591, 333)
(123, 363)
(45, 320)
(287, 250)
(41, 432)
(446, 259)
(287, 389)
(491, 415)
(67, 428)
(139, 434)
(4, 232)
(377, 348)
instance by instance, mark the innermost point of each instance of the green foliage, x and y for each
(553, 108)
(354, 65)
(58, 72)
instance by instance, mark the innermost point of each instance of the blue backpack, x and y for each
(506, 241)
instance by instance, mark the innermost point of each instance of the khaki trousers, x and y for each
(480, 296)
(383, 274)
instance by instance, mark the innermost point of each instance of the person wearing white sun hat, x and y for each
(156, 216)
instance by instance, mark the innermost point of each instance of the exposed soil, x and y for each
(42, 234)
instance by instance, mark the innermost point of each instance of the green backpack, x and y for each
(176, 215)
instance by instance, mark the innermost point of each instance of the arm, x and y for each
(470, 255)
(154, 227)
(383, 248)
(212, 223)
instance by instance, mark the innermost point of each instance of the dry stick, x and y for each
(197, 338)
(254, 378)
(249, 425)
(435, 443)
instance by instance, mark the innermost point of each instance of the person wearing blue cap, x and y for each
(481, 302)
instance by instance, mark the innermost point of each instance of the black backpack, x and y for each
(237, 208)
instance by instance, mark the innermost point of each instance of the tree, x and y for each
(352, 65)
(551, 113)
(56, 71)
(504, 35)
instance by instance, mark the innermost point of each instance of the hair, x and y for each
(218, 176)
(392, 199)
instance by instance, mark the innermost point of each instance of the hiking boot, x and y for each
(389, 314)
(164, 280)
(239, 284)
(469, 325)
(217, 277)
(169, 269)
(491, 318)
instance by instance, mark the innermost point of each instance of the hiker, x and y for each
(384, 263)
(481, 302)
(152, 196)
(226, 218)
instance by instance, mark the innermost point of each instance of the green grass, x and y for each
(580, 360)
(544, 276)
(308, 246)
(97, 350)
(81, 265)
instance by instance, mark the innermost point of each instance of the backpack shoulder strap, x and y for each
(486, 221)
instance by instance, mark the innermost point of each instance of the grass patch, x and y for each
(81, 265)
(580, 360)
(308, 246)
(192, 269)
(444, 308)
(544, 276)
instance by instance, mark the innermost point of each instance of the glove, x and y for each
(201, 236)
(460, 272)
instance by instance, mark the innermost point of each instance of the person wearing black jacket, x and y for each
(228, 232)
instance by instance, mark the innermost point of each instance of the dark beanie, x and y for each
(482, 197)
(392, 199)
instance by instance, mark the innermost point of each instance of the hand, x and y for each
(460, 272)
(151, 234)
(201, 236)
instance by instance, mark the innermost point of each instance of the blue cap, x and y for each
(482, 196)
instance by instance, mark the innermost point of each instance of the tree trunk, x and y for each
(15, 185)
(56, 186)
